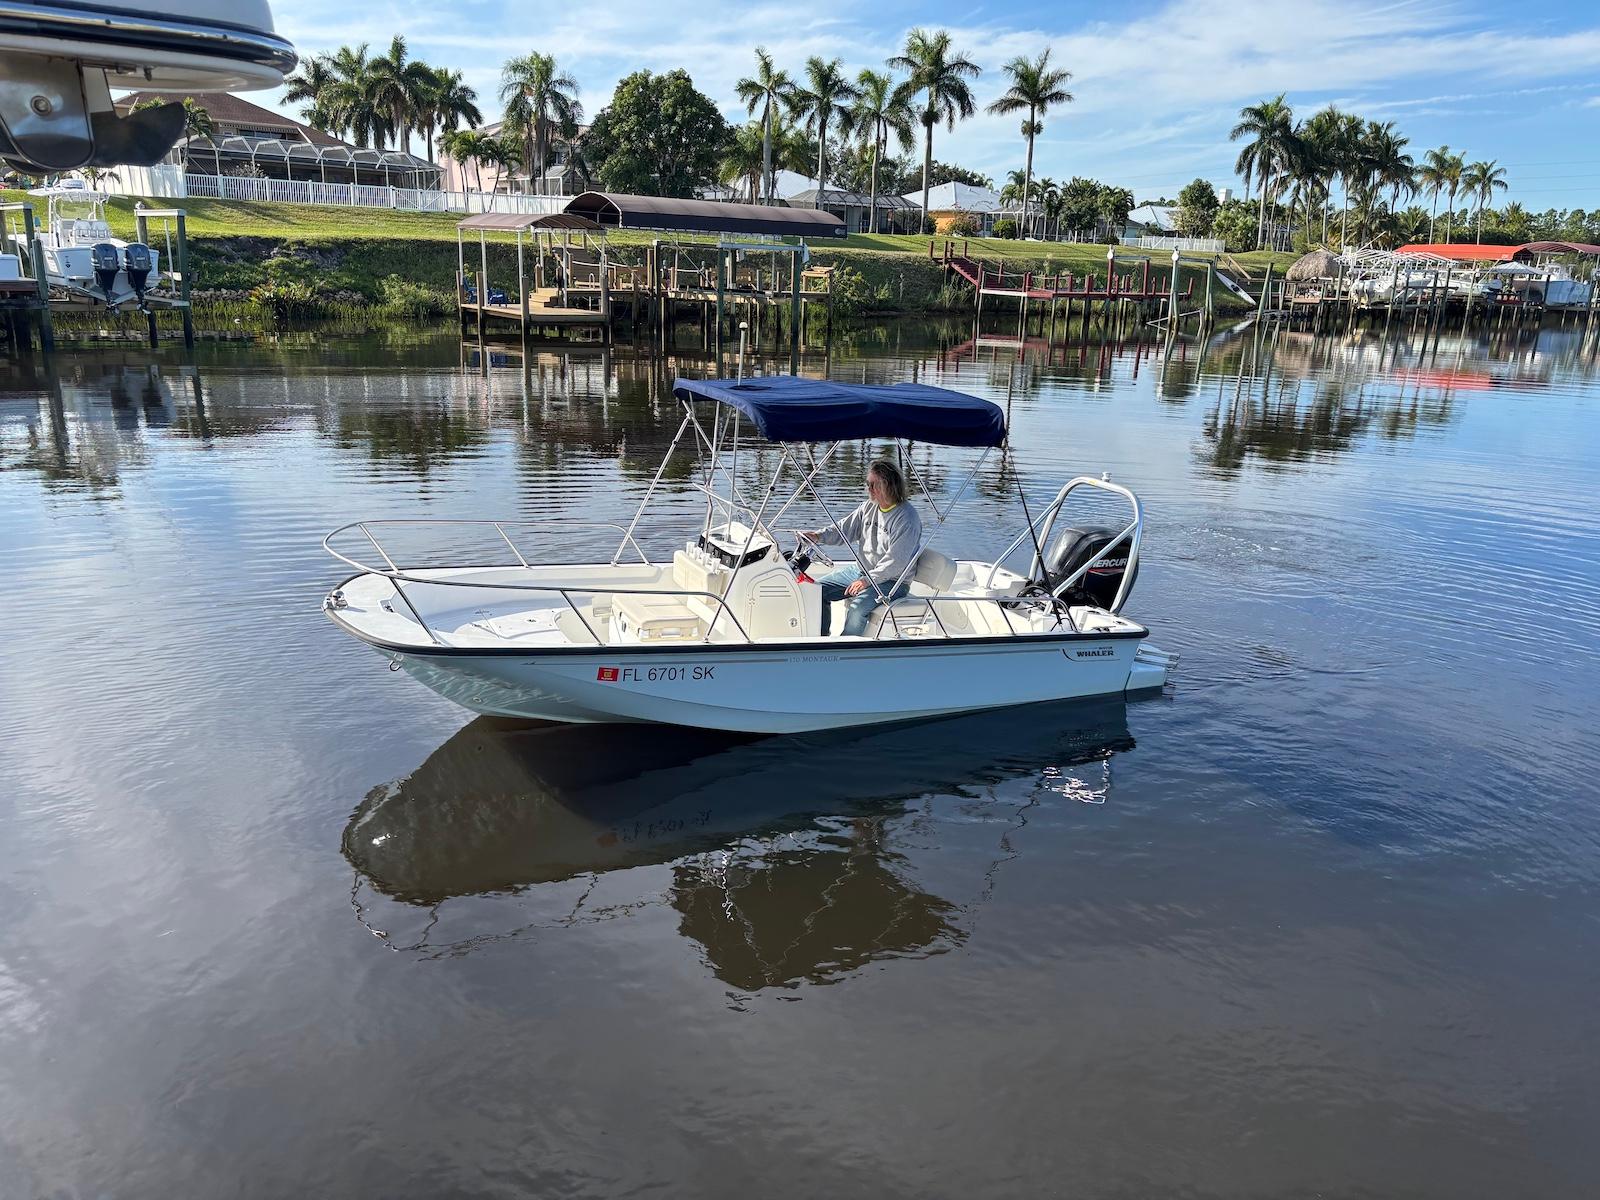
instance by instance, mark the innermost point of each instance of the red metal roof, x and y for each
(1466, 251)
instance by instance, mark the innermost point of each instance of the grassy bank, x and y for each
(307, 257)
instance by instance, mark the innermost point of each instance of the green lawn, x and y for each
(315, 223)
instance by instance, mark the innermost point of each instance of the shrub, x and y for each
(962, 225)
(1005, 227)
(404, 298)
(851, 291)
(285, 300)
(1236, 225)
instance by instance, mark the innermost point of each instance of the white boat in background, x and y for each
(1549, 284)
(82, 258)
(726, 634)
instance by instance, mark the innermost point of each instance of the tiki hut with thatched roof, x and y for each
(1319, 264)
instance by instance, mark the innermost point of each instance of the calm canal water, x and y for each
(1322, 920)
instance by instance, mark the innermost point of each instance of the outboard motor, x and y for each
(107, 264)
(138, 263)
(1075, 545)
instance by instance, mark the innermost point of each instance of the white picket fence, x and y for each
(366, 195)
(1205, 245)
(167, 184)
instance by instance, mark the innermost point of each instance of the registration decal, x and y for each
(654, 674)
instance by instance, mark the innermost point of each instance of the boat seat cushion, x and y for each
(934, 571)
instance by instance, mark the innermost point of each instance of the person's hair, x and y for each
(889, 475)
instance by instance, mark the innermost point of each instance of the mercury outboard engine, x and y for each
(107, 263)
(137, 261)
(1075, 545)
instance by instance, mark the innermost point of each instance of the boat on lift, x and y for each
(82, 258)
(725, 631)
(1547, 284)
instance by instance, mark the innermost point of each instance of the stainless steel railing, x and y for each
(398, 575)
(1041, 526)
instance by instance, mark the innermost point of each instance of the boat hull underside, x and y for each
(757, 690)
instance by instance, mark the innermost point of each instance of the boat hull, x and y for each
(760, 689)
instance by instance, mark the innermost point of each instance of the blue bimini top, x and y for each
(788, 409)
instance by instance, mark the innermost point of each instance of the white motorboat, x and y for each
(82, 258)
(726, 634)
(1548, 284)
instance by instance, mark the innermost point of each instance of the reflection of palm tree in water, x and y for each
(780, 875)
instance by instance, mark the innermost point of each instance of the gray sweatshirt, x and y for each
(886, 541)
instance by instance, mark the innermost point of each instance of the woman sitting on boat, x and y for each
(886, 532)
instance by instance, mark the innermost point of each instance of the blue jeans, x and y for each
(861, 605)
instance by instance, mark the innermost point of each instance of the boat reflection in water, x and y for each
(787, 856)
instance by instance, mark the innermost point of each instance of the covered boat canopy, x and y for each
(1584, 248)
(511, 222)
(788, 409)
(620, 211)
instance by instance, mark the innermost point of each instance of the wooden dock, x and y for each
(1146, 287)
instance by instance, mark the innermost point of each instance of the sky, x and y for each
(1157, 83)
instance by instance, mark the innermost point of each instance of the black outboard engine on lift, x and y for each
(107, 264)
(138, 263)
(1075, 545)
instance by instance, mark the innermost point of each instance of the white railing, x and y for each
(364, 195)
(1207, 245)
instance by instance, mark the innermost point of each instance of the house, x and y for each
(247, 139)
(563, 173)
(1151, 220)
(895, 213)
(948, 201)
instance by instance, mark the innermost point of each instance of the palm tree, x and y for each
(1392, 166)
(1048, 193)
(540, 101)
(394, 85)
(1017, 187)
(1433, 175)
(1453, 169)
(448, 103)
(1270, 128)
(1034, 88)
(1318, 158)
(465, 146)
(504, 153)
(1378, 160)
(309, 87)
(767, 89)
(197, 123)
(1481, 180)
(742, 161)
(941, 75)
(347, 100)
(1349, 159)
(825, 97)
(879, 111)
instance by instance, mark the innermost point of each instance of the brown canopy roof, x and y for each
(1561, 248)
(515, 221)
(622, 211)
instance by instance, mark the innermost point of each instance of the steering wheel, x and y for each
(811, 548)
